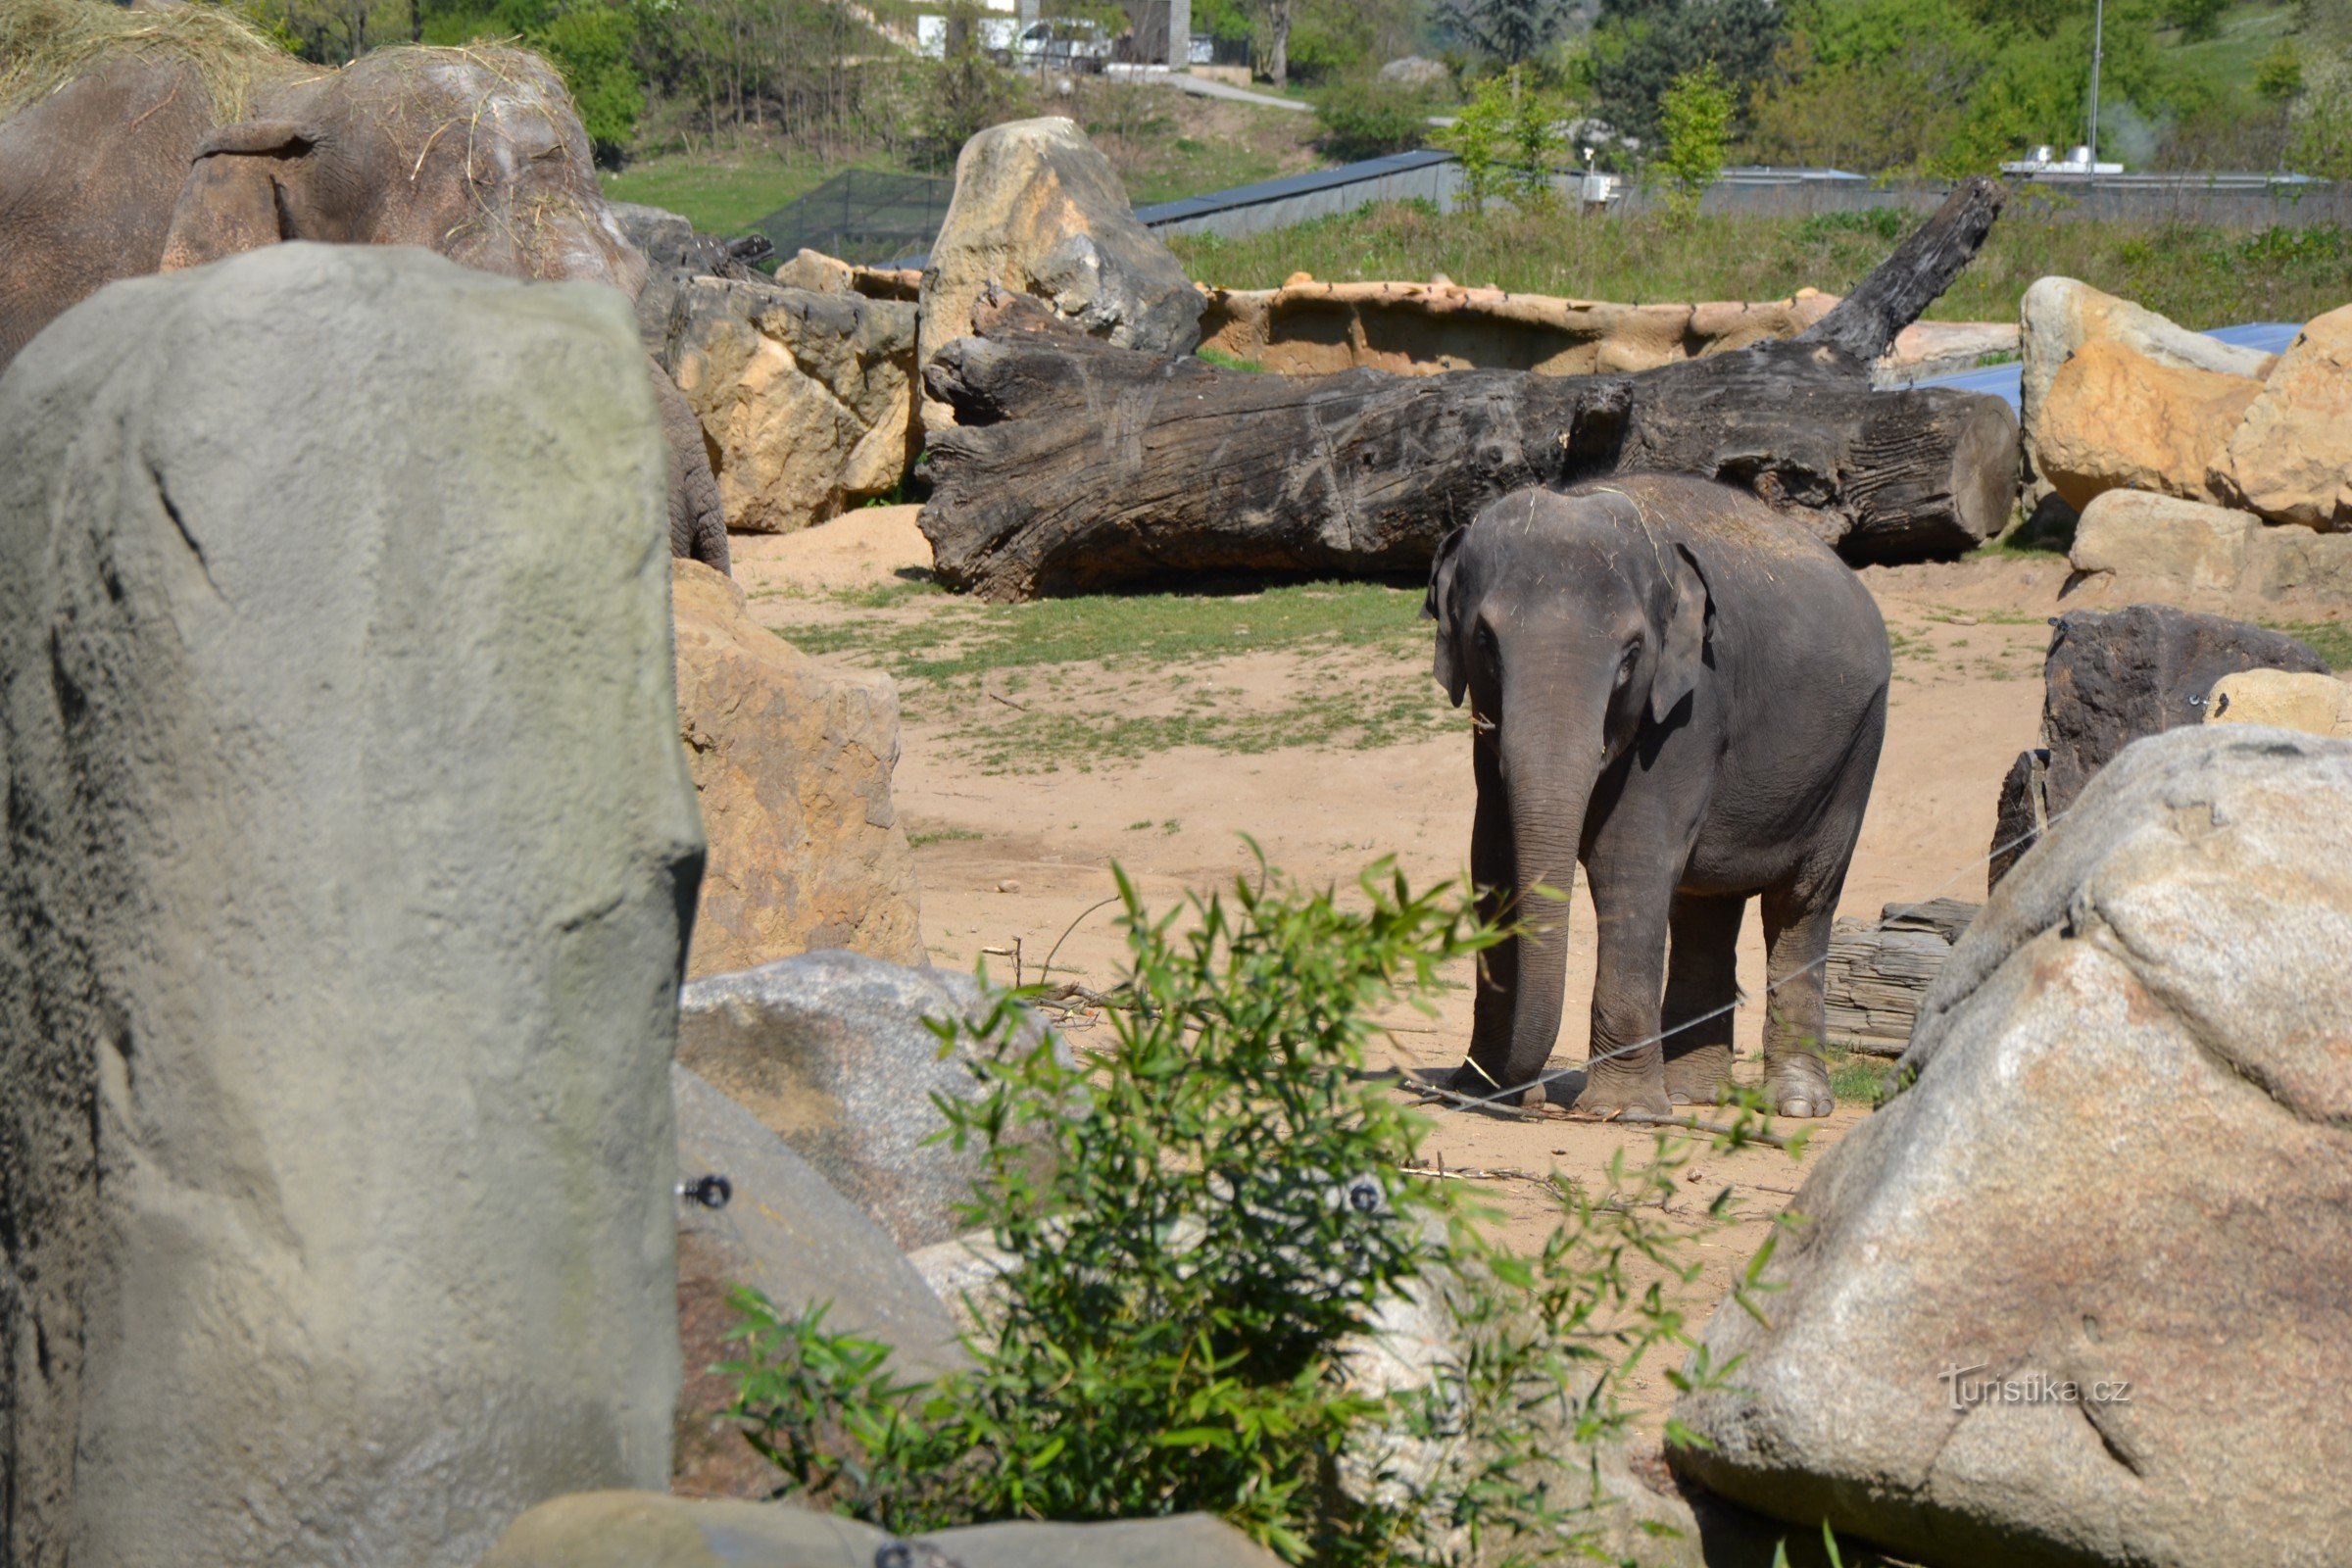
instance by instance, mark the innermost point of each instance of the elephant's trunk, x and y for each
(1552, 778)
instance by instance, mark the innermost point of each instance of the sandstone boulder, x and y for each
(2112, 677)
(1038, 210)
(2316, 704)
(2075, 1296)
(639, 1530)
(784, 1232)
(830, 1052)
(2162, 543)
(2115, 418)
(806, 398)
(2160, 546)
(348, 850)
(2291, 459)
(792, 761)
(2060, 316)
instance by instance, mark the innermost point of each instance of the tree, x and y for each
(1278, 42)
(1641, 48)
(1512, 32)
(2280, 76)
(1696, 116)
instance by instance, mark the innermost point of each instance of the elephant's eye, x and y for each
(1625, 665)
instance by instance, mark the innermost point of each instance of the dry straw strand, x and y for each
(44, 44)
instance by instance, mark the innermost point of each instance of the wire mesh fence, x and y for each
(862, 215)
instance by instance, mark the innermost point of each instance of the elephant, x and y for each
(127, 168)
(1684, 690)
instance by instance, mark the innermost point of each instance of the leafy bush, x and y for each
(1507, 138)
(590, 46)
(1200, 1223)
(1370, 118)
(1696, 116)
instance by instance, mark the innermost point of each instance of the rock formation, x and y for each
(792, 761)
(1038, 210)
(347, 859)
(2075, 1294)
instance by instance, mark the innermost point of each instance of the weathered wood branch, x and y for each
(1076, 466)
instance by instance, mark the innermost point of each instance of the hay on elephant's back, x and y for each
(45, 44)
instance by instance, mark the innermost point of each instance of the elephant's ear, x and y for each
(1437, 606)
(1683, 646)
(230, 202)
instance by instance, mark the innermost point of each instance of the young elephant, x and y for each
(1685, 691)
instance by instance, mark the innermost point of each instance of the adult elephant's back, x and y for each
(87, 178)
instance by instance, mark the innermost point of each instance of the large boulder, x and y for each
(637, 1530)
(2115, 418)
(779, 1228)
(2164, 544)
(807, 399)
(2145, 545)
(2059, 315)
(792, 760)
(2077, 1294)
(348, 852)
(2291, 459)
(1038, 210)
(2112, 677)
(830, 1050)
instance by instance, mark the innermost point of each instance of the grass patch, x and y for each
(2331, 640)
(725, 194)
(1081, 682)
(1227, 361)
(943, 835)
(2199, 275)
(1856, 1079)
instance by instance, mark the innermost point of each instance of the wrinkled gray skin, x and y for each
(1684, 691)
(476, 154)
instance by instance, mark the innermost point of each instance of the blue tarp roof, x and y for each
(2003, 380)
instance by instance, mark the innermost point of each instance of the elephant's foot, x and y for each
(1622, 1092)
(1698, 1076)
(1476, 1083)
(1797, 1085)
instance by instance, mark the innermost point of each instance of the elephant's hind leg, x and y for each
(1701, 983)
(1796, 943)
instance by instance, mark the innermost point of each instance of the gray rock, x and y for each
(2113, 677)
(1038, 210)
(1415, 70)
(2118, 1191)
(1188, 1540)
(348, 850)
(787, 1233)
(830, 1052)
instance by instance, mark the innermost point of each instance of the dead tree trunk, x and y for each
(1076, 466)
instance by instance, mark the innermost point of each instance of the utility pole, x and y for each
(2098, 37)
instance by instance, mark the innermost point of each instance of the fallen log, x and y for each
(1075, 466)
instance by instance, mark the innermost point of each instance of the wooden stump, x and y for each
(1877, 974)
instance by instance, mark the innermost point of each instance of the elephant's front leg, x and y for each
(1624, 1068)
(1796, 949)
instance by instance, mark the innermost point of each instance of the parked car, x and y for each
(1064, 43)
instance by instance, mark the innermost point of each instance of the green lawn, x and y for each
(2199, 276)
(721, 193)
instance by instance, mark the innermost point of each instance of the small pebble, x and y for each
(1008, 885)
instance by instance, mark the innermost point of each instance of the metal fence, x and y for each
(892, 218)
(862, 215)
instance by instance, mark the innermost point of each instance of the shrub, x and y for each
(1696, 116)
(1222, 1206)
(1369, 118)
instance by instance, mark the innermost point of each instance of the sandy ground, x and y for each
(1019, 860)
